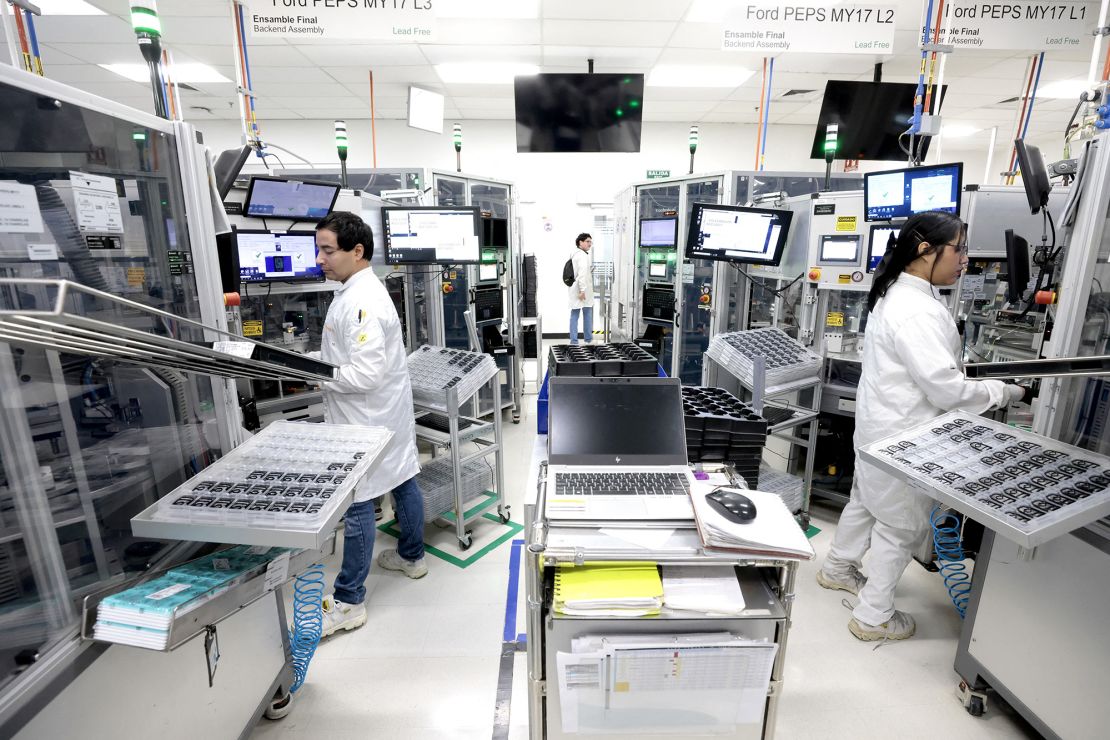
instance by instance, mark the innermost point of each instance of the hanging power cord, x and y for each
(948, 544)
(308, 621)
(756, 281)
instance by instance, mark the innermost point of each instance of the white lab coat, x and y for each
(362, 336)
(911, 373)
(583, 280)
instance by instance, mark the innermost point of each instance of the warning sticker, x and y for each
(834, 318)
(844, 278)
(846, 223)
(252, 328)
(136, 275)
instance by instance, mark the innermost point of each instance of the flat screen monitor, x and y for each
(265, 256)
(657, 269)
(871, 116)
(487, 272)
(275, 197)
(1017, 266)
(578, 112)
(877, 243)
(227, 167)
(495, 233)
(753, 236)
(441, 235)
(901, 193)
(1034, 175)
(839, 249)
(659, 233)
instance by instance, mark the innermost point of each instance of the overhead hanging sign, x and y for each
(772, 28)
(1023, 26)
(342, 20)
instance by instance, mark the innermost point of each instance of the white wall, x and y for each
(556, 189)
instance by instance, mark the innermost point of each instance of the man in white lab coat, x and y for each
(362, 336)
(581, 291)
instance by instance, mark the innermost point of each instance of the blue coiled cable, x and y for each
(948, 545)
(308, 620)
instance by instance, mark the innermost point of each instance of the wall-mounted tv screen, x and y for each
(871, 117)
(754, 236)
(276, 197)
(564, 112)
(288, 256)
(445, 235)
(901, 193)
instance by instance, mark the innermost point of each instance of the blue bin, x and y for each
(541, 407)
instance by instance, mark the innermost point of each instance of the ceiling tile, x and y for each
(459, 31)
(612, 33)
(359, 55)
(278, 75)
(641, 10)
(475, 53)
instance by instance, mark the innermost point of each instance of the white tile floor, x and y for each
(426, 663)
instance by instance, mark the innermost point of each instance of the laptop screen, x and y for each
(616, 421)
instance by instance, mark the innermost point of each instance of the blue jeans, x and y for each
(358, 539)
(587, 323)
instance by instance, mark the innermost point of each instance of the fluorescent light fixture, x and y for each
(958, 130)
(489, 9)
(1062, 89)
(488, 73)
(696, 75)
(425, 110)
(186, 72)
(67, 7)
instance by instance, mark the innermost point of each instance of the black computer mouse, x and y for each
(736, 507)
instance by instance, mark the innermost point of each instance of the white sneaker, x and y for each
(390, 560)
(898, 627)
(341, 616)
(852, 582)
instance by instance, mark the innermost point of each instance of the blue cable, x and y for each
(1033, 95)
(308, 621)
(948, 544)
(919, 93)
(766, 112)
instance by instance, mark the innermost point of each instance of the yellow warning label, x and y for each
(252, 328)
(834, 318)
(845, 223)
(136, 275)
(621, 686)
(844, 278)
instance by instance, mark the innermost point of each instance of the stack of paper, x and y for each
(617, 589)
(713, 590)
(772, 533)
(143, 615)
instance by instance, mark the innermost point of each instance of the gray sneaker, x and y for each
(340, 616)
(390, 560)
(852, 582)
(899, 627)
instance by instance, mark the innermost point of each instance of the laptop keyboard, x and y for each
(618, 484)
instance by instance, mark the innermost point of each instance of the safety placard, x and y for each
(816, 27)
(339, 20)
(1021, 25)
(252, 328)
(97, 203)
(834, 318)
(846, 223)
(136, 275)
(19, 209)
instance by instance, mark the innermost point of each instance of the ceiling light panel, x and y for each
(485, 73)
(67, 7)
(693, 75)
(188, 72)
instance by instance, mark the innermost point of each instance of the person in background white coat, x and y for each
(362, 337)
(911, 373)
(581, 291)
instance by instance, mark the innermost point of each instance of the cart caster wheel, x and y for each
(503, 515)
(975, 707)
(516, 419)
(279, 707)
(466, 542)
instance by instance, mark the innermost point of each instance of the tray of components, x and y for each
(286, 486)
(785, 486)
(785, 358)
(1025, 487)
(720, 427)
(622, 359)
(436, 483)
(435, 371)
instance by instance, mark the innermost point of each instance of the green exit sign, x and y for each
(656, 174)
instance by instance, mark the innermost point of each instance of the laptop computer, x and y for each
(617, 453)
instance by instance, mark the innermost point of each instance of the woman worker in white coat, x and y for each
(911, 373)
(362, 337)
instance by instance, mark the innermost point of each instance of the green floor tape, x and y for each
(812, 532)
(469, 558)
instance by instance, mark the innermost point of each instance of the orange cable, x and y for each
(759, 124)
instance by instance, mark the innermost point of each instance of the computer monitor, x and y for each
(1034, 175)
(227, 167)
(839, 249)
(659, 233)
(286, 256)
(657, 269)
(877, 243)
(495, 232)
(276, 197)
(901, 193)
(753, 236)
(487, 272)
(1017, 266)
(658, 304)
(443, 235)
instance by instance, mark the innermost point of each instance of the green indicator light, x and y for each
(620, 112)
(671, 257)
(145, 20)
(627, 81)
(634, 104)
(138, 136)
